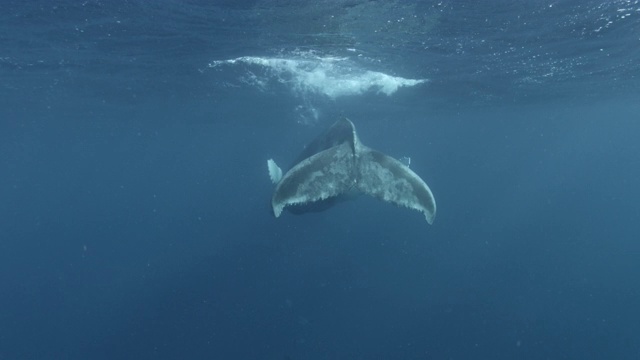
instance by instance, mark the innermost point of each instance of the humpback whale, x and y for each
(337, 165)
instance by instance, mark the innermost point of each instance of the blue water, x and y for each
(135, 198)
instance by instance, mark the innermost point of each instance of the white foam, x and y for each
(331, 76)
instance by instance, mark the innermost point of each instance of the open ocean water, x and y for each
(135, 199)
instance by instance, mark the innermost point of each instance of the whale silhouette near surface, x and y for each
(336, 166)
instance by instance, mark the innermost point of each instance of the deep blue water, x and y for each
(135, 199)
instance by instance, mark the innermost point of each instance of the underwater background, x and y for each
(135, 198)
